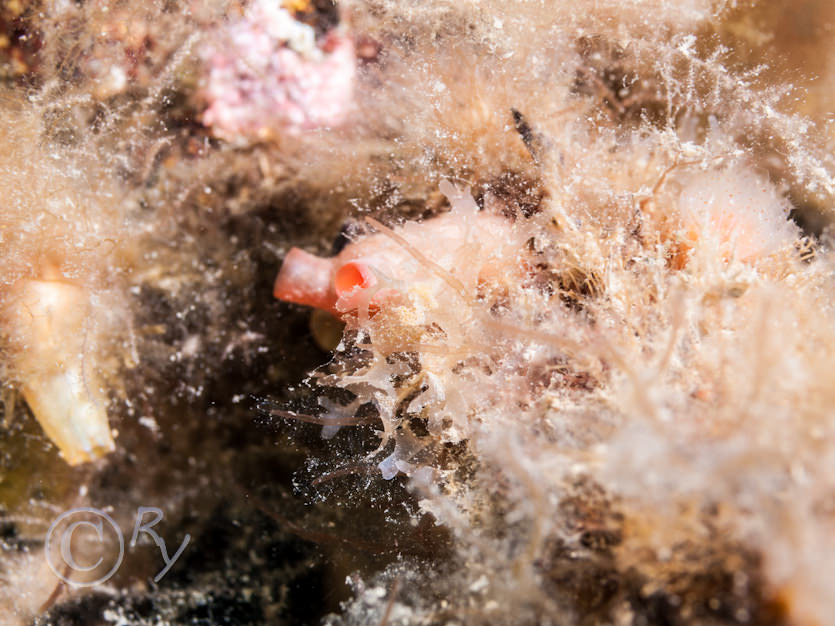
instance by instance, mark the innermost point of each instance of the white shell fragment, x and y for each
(61, 387)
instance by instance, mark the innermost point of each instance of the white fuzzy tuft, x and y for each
(739, 210)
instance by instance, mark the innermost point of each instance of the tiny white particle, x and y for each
(150, 423)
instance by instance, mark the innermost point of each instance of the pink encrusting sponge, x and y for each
(267, 74)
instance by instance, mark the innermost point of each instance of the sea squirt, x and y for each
(466, 250)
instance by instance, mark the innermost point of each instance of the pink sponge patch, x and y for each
(267, 73)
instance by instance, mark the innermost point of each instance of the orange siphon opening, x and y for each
(352, 275)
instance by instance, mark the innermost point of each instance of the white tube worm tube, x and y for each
(59, 384)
